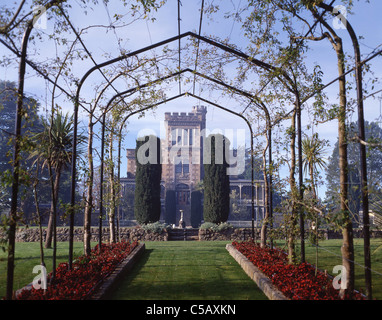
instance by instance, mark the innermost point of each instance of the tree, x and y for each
(374, 162)
(32, 125)
(6, 30)
(196, 208)
(147, 203)
(89, 188)
(347, 249)
(312, 159)
(216, 180)
(53, 148)
(170, 207)
(257, 163)
(293, 194)
(112, 198)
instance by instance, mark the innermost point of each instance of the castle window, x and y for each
(182, 168)
(190, 137)
(178, 167)
(179, 137)
(173, 137)
(185, 137)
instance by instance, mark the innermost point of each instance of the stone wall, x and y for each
(241, 234)
(136, 233)
(139, 234)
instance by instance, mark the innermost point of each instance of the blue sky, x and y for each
(103, 43)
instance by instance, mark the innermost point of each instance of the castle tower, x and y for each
(182, 155)
(183, 169)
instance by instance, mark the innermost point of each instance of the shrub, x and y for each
(147, 205)
(170, 206)
(216, 182)
(155, 227)
(216, 227)
(196, 208)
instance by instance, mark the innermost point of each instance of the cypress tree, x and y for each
(147, 205)
(170, 205)
(216, 181)
(196, 208)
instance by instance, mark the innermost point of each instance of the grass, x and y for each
(187, 270)
(27, 256)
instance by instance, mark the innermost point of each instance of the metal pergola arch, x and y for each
(253, 99)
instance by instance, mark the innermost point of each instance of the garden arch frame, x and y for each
(253, 99)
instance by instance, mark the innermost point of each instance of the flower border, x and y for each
(86, 275)
(296, 282)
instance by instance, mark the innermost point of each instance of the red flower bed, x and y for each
(83, 278)
(297, 282)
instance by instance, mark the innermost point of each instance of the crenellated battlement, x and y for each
(198, 113)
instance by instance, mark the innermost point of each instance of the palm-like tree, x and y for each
(313, 149)
(54, 151)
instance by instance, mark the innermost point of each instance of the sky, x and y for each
(131, 34)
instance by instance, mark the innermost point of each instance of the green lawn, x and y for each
(189, 270)
(27, 256)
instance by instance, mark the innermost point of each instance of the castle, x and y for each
(182, 166)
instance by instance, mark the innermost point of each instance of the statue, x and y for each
(182, 224)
